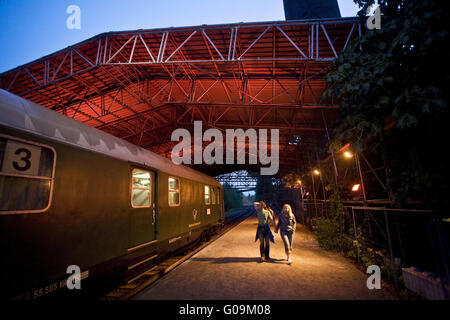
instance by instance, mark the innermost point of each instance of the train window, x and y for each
(174, 191)
(141, 189)
(26, 176)
(207, 195)
(218, 195)
(213, 195)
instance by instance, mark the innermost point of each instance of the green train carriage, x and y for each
(73, 195)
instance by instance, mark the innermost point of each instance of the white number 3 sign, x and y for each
(21, 158)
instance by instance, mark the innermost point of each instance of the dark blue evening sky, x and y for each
(30, 29)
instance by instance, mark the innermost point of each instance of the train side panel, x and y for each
(190, 213)
(89, 221)
(86, 223)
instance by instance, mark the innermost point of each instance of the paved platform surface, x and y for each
(229, 268)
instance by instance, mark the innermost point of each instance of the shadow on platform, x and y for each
(237, 260)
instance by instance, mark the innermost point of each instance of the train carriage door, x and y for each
(142, 215)
(208, 199)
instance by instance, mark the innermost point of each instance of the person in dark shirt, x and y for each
(286, 225)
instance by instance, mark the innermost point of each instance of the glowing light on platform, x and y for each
(348, 154)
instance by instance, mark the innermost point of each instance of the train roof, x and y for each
(19, 113)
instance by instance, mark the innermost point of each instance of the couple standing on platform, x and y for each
(286, 225)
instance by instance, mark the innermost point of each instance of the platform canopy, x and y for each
(140, 85)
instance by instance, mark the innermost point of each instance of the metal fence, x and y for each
(393, 238)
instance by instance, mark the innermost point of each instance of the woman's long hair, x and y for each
(289, 209)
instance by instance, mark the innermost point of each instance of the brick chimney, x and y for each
(311, 9)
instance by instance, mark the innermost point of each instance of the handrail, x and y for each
(389, 209)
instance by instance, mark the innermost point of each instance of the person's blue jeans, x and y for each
(264, 242)
(288, 237)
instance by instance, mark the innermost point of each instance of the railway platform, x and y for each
(230, 269)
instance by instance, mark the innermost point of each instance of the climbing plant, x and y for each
(328, 229)
(392, 84)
